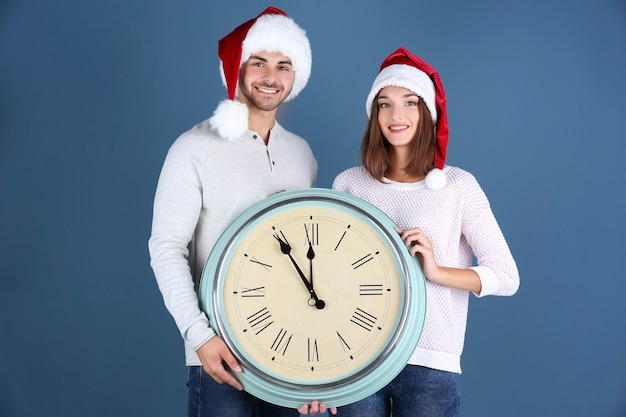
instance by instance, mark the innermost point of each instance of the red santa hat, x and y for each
(271, 31)
(403, 69)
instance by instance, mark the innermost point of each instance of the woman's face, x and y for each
(398, 115)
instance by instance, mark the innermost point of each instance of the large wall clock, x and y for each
(317, 297)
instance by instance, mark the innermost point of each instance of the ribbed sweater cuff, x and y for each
(434, 359)
(488, 280)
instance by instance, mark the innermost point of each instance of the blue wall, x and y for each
(92, 94)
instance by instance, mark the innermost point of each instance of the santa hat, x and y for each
(271, 31)
(403, 69)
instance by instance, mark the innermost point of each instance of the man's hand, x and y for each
(315, 408)
(213, 355)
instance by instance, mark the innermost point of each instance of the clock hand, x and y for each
(285, 248)
(310, 255)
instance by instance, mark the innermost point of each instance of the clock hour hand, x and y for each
(310, 255)
(285, 248)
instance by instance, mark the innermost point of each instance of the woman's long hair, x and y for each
(375, 149)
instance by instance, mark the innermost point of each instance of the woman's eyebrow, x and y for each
(404, 96)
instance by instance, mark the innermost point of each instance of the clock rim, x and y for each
(368, 378)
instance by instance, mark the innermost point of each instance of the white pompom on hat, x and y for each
(403, 69)
(271, 31)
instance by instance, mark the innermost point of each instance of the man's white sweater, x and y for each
(205, 183)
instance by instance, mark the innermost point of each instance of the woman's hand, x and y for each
(421, 246)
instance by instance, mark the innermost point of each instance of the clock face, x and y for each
(316, 296)
(271, 310)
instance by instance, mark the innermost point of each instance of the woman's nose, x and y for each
(397, 115)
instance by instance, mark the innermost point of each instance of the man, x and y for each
(215, 171)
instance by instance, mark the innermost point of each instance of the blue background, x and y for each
(93, 93)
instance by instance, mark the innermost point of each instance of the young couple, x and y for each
(240, 155)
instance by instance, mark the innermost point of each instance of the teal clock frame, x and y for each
(375, 374)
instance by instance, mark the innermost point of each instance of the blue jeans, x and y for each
(207, 398)
(415, 392)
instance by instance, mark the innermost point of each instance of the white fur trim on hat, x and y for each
(408, 77)
(278, 33)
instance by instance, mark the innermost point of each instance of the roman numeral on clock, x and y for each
(252, 292)
(256, 261)
(362, 261)
(260, 320)
(363, 319)
(312, 231)
(281, 342)
(341, 238)
(313, 353)
(344, 345)
(371, 289)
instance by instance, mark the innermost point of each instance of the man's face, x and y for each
(265, 80)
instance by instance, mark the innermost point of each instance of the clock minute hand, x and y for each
(285, 248)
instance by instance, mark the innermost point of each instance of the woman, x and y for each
(444, 218)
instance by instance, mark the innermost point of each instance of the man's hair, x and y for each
(375, 149)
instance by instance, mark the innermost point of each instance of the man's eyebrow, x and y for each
(260, 58)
